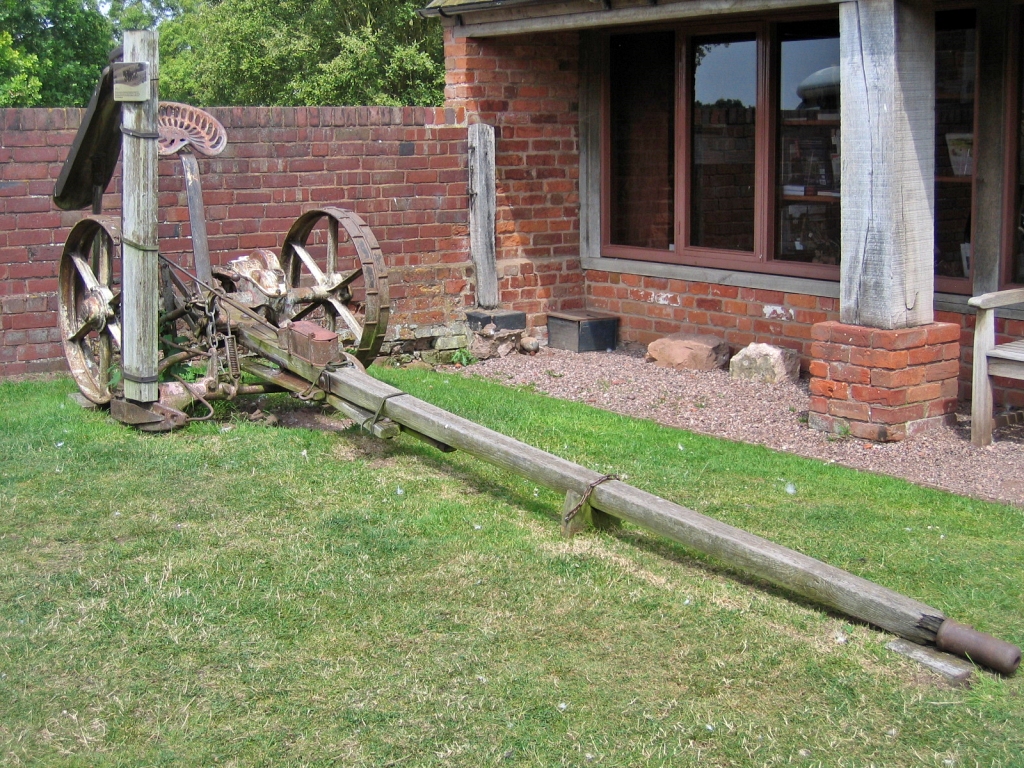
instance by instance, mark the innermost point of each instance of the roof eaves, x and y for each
(449, 8)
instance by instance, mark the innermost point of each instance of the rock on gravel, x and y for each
(773, 415)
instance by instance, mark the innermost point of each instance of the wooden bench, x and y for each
(991, 359)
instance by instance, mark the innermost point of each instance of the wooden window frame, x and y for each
(1011, 168)
(766, 203)
(761, 259)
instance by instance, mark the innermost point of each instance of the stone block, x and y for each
(689, 351)
(765, 363)
(450, 342)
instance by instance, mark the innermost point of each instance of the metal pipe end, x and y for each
(978, 647)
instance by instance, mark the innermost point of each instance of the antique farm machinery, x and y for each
(308, 321)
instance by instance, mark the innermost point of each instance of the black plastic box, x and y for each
(582, 331)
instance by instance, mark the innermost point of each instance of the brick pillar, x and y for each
(883, 385)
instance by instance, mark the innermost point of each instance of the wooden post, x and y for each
(783, 567)
(482, 203)
(591, 62)
(994, 30)
(887, 55)
(140, 266)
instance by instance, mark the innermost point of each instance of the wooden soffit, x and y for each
(496, 18)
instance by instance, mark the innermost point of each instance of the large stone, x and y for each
(689, 351)
(765, 363)
(491, 342)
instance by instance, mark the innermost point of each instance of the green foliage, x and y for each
(265, 52)
(141, 14)
(55, 52)
(463, 357)
(19, 85)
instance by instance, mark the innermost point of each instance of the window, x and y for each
(700, 171)
(955, 56)
(808, 178)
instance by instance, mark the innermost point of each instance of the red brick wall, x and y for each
(651, 307)
(403, 170)
(528, 88)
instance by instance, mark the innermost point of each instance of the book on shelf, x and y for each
(797, 190)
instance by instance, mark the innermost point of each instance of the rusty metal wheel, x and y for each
(340, 282)
(88, 306)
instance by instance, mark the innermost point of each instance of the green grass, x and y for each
(232, 594)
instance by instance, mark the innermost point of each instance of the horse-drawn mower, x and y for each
(308, 321)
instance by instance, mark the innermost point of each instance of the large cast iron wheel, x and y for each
(88, 306)
(340, 283)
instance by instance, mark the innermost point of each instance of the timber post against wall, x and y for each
(886, 371)
(140, 303)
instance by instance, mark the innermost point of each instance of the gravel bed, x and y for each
(711, 403)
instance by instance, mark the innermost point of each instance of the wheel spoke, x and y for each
(348, 318)
(350, 277)
(310, 264)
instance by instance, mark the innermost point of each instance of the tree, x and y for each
(288, 52)
(56, 51)
(19, 85)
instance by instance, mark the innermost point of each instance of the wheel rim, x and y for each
(351, 301)
(88, 306)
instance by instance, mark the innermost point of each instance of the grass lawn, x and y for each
(232, 594)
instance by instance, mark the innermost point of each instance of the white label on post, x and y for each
(131, 81)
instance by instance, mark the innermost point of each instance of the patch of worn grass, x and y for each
(273, 596)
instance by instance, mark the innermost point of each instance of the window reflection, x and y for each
(723, 121)
(809, 144)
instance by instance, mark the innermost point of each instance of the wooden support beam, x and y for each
(591, 63)
(140, 303)
(803, 575)
(482, 204)
(994, 29)
(784, 567)
(887, 66)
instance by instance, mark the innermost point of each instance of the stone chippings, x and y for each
(773, 415)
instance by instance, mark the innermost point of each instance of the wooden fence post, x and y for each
(482, 205)
(140, 277)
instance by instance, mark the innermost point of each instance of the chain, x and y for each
(586, 497)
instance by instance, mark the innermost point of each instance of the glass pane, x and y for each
(809, 161)
(954, 139)
(642, 81)
(724, 97)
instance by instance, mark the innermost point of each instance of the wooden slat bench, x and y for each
(991, 359)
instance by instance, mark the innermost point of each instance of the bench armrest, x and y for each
(998, 299)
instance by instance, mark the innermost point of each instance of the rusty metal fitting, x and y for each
(984, 650)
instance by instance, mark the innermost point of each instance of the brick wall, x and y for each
(651, 307)
(528, 88)
(403, 170)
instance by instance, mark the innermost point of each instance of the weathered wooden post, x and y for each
(140, 279)
(886, 370)
(887, 69)
(481, 214)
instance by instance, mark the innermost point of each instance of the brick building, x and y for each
(686, 165)
(725, 187)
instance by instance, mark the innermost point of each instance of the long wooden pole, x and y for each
(140, 303)
(803, 575)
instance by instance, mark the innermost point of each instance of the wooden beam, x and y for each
(994, 30)
(591, 59)
(887, 55)
(784, 567)
(482, 206)
(805, 576)
(140, 264)
(587, 15)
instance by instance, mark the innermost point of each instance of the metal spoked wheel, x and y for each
(335, 274)
(88, 306)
